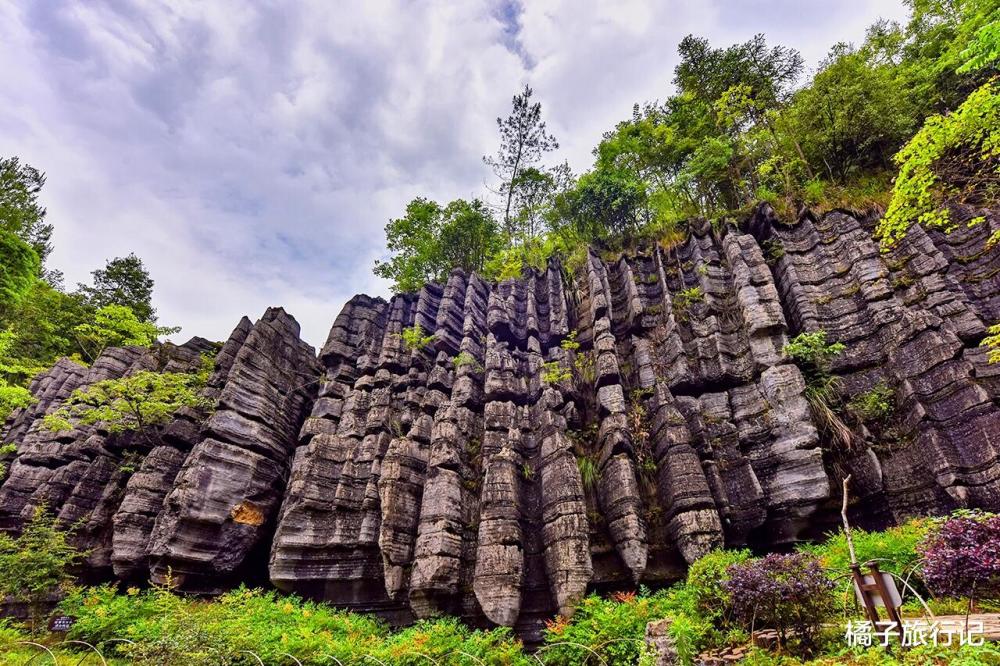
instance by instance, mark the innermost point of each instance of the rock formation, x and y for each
(573, 430)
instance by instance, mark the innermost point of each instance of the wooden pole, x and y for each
(847, 525)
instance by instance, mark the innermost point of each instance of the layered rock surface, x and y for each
(573, 430)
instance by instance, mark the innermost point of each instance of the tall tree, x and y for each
(430, 240)
(19, 267)
(20, 212)
(123, 281)
(523, 140)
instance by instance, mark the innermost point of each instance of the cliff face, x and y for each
(560, 433)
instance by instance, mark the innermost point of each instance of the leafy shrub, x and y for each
(131, 403)
(554, 372)
(952, 159)
(707, 576)
(414, 338)
(895, 550)
(992, 342)
(785, 592)
(684, 299)
(117, 326)
(168, 629)
(615, 629)
(960, 557)
(812, 350)
(465, 359)
(36, 564)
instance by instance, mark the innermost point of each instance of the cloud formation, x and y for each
(251, 154)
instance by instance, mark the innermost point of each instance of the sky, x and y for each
(252, 152)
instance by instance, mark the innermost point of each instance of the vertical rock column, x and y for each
(148, 486)
(228, 491)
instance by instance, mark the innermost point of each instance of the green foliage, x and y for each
(36, 564)
(706, 577)
(984, 50)
(992, 342)
(555, 372)
(606, 203)
(20, 212)
(430, 240)
(589, 472)
(117, 326)
(467, 360)
(169, 629)
(812, 351)
(414, 338)
(814, 357)
(531, 253)
(13, 375)
(19, 266)
(685, 298)
(875, 405)
(13, 397)
(614, 628)
(895, 550)
(952, 159)
(124, 282)
(43, 326)
(854, 116)
(132, 403)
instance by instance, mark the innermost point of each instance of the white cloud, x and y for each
(252, 155)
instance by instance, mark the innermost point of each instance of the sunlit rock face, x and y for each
(587, 427)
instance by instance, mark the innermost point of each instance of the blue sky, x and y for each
(251, 153)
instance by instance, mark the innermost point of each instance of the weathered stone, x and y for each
(447, 478)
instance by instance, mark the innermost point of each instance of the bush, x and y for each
(783, 592)
(812, 350)
(414, 338)
(615, 628)
(706, 578)
(895, 550)
(961, 557)
(36, 564)
(169, 629)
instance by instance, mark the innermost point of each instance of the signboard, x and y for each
(888, 584)
(61, 623)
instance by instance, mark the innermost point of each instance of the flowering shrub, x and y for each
(962, 557)
(783, 592)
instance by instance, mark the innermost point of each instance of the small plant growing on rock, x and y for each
(789, 593)
(554, 372)
(684, 299)
(875, 405)
(772, 250)
(589, 473)
(812, 351)
(814, 356)
(467, 360)
(415, 338)
(527, 471)
(960, 557)
(992, 342)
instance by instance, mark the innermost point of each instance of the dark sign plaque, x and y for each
(61, 623)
